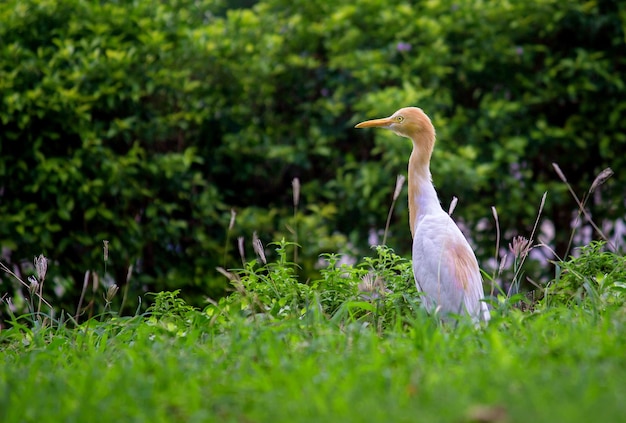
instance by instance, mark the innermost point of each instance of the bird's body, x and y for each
(444, 265)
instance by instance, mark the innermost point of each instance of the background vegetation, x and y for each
(144, 123)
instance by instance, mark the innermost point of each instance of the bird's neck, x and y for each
(422, 195)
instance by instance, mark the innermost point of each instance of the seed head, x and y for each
(399, 184)
(502, 264)
(233, 214)
(34, 285)
(372, 287)
(559, 172)
(242, 253)
(105, 248)
(231, 276)
(111, 293)
(367, 283)
(452, 205)
(295, 184)
(600, 179)
(258, 247)
(41, 267)
(494, 212)
(520, 246)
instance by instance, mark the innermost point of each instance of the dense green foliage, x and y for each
(597, 276)
(335, 350)
(143, 123)
(381, 288)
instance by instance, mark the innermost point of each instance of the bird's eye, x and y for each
(399, 118)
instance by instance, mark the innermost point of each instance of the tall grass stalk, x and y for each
(105, 254)
(82, 296)
(37, 293)
(599, 180)
(108, 297)
(231, 225)
(497, 271)
(295, 184)
(129, 274)
(241, 248)
(41, 268)
(520, 247)
(396, 193)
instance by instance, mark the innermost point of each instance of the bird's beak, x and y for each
(376, 123)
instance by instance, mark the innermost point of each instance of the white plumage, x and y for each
(444, 265)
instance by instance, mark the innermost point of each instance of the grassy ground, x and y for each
(347, 348)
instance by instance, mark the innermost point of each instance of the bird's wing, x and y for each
(445, 267)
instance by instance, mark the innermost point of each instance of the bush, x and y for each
(144, 124)
(99, 126)
(377, 291)
(595, 279)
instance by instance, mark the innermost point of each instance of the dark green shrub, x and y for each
(100, 127)
(144, 123)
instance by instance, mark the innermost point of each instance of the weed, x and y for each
(596, 278)
(582, 210)
(396, 193)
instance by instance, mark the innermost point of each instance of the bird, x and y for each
(444, 265)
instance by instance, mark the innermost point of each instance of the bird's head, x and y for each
(409, 122)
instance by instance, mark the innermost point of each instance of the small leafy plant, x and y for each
(377, 290)
(597, 277)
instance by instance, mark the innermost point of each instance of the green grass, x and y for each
(280, 351)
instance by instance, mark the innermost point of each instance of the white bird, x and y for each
(444, 265)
